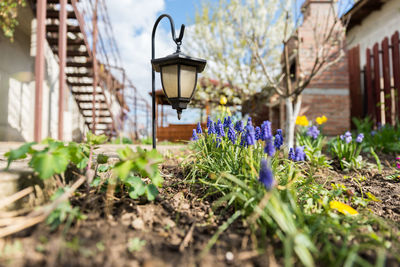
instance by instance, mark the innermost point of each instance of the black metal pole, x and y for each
(178, 42)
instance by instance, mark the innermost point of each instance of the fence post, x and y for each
(368, 85)
(386, 81)
(377, 83)
(396, 69)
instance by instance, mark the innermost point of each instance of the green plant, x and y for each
(134, 165)
(55, 155)
(8, 16)
(382, 139)
(64, 213)
(347, 151)
(313, 143)
(136, 244)
(310, 222)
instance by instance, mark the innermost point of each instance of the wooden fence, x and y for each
(380, 81)
(176, 132)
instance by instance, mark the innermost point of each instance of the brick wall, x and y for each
(328, 92)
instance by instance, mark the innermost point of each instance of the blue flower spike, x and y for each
(266, 175)
(194, 135)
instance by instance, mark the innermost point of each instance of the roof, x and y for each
(361, 10)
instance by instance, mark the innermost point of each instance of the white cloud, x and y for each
(133, 21)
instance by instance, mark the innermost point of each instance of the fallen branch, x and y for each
(40, 214)
(10, 199)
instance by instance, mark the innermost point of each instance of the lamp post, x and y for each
(178, 74)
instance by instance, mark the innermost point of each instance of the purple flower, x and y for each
(266, 175)
(373, 132)
(194, 136)
(269, 148)
(232, 134)
(346, 137)
(209, 122)
(227, 122)
(313, 132)
(211, 128)
(258, 133)
(239, 126)
(266, 130)
(360, 138)
(278, 139)
(220, 129)
(250, 135)
(300, 155)
(198, 129)
(291, 155)
(249, 122)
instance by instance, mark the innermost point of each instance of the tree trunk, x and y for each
(292, 111)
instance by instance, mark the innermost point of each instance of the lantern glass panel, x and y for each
(169, 76)
(188, 80)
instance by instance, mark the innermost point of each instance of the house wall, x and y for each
(17, 87)
(375, 27)
(328, 92)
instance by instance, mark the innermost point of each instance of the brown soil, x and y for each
(176, 227)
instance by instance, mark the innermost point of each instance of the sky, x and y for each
(133, 21)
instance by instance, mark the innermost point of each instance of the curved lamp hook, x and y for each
(178, 42)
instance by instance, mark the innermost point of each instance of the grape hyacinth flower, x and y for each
(219, 129)
(300, 155)
(269, 148)
(360, 138)
(211, 128)
(209, 122)
(266, 175)
(227, 122)
(232, 134)
(249, 122)
(291, 155)
(278, 139)
(258, 133)
(198, 129)
(239, 126)
(194, 136)
(266, 130)
(313, 132)
(346, 137)
(250, 135)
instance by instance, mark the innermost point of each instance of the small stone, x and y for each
(229, 256)
(138, 224)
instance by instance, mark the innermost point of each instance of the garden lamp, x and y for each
(178, 74)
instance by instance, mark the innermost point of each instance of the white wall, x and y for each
(374, 28)
(17, 88)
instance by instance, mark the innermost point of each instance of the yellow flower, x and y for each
(302, 120)
(321, 120)
(343, 208)
(223, 100)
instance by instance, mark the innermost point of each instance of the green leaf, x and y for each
(96, 139)
(103, 168)
(47, 164)
(136, 185)
(96, 182)
(123, 168)
(83, 163)
(102, 159)
(151, 192)
(157, 180)
(19, 153)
